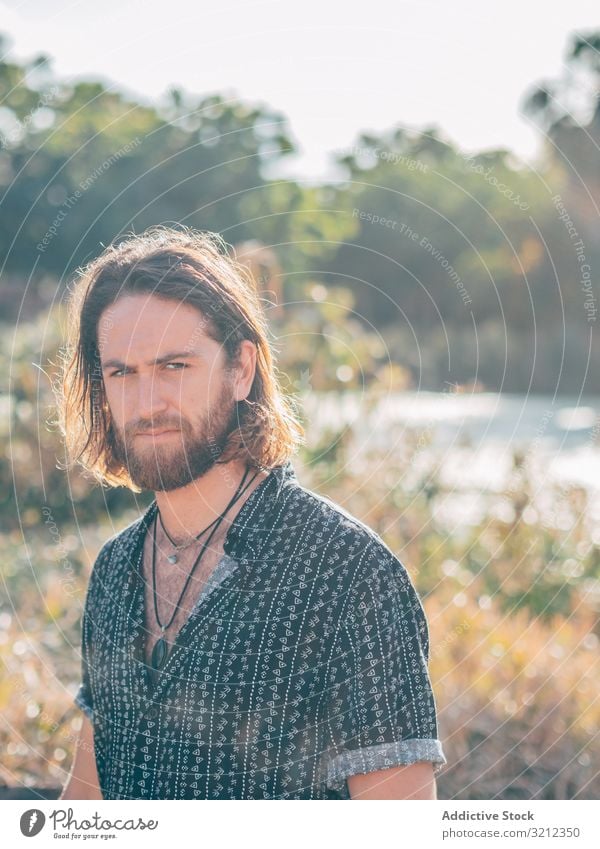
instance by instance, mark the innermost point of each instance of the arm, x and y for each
(83, 783)
(381, 737)
(414, 781)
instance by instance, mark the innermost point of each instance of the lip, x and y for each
(155, 433)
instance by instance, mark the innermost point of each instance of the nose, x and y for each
(151, 400)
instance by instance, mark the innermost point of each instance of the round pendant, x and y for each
(159, 653)
(172, 558)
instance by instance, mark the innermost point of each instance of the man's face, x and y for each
(162, 372)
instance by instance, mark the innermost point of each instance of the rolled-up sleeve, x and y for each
(381, 709)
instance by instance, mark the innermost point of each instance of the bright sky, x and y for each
(333, 67)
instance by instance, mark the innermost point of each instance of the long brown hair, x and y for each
(180, 265)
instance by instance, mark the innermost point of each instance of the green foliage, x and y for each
(514, 601)
(427, 240)
(99, 164)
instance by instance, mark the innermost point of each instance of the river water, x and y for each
(470, 441)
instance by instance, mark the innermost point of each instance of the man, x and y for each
(245, 638)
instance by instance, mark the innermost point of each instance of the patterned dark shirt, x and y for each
(304, 661)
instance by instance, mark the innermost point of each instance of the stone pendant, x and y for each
(159, 653)
(172, 558)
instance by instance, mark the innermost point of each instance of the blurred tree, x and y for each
(435, 245)
(81, 164)
(567, 110)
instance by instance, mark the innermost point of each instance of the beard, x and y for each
(183, 457)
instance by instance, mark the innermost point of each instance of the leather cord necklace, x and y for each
(173, 557)
(160, 650)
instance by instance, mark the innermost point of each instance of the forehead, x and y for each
(139, 326)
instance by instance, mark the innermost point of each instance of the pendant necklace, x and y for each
(173, 557)
(160, 649)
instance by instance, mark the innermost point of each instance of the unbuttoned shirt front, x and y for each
(303, 662)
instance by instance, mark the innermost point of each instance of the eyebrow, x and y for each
(171, 355)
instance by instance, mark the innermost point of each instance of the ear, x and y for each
(245, 370)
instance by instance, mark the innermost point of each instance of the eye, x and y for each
(116, 373)
(183, 365)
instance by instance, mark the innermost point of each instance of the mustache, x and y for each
(157, 424)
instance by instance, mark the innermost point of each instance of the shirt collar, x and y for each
(253, 516)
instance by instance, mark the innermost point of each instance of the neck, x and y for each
(186, 511)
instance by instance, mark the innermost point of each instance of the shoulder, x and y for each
(117, 549)
(361, 569)
(322, 510)
(314, 520)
